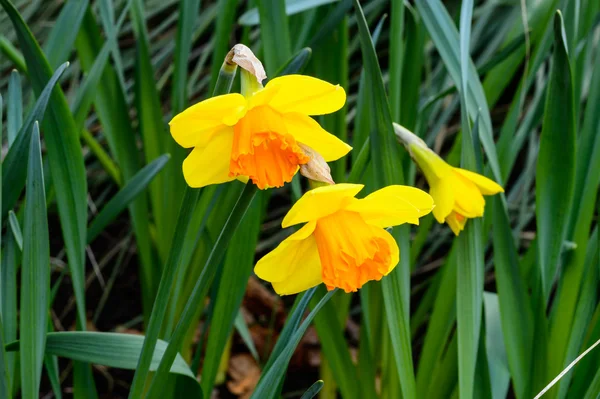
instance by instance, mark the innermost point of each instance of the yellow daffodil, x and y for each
(343, 243)
(457, 193)
(258, 135)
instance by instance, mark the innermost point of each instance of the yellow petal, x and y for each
(443, 198)
(305, 94)
(456, 222)
(485, 185)
(468, 200)
(210, 164)
(294, 265)
(307, 131)
(432, 165)
(196, 125)
(393, 205)
(394, 250)
(320, 202)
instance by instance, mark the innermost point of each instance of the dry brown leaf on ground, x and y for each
(244, 373)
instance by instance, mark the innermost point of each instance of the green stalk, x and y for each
(190, 198)
(202, 284)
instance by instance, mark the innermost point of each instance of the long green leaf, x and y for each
(111, 107)
(107, 349)
(13, 172)
(269, 383)
(446, 38)
(469, 282)
(251, 17)
(313, 390)
(515, 305)
(554, 180)
(237, 268)
(14, 108)
(202, 285)
(587, 179)
(153, 131)
(169, 273)
(35, 274)
(123, 198)
(388, 170)
(60, 42)
(8, 299)
(275, 34)
(16, 229)
(62, 141)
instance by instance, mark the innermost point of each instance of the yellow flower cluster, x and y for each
(267, 134)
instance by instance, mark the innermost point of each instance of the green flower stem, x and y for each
(200, 289)
(159, 309)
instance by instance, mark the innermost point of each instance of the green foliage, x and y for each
(88, 89)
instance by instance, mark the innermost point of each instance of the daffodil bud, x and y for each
(408, 138)
(316, 169)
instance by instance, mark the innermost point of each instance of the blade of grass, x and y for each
(237, 267)
(554, 180)
(14, 108)
(8, 300)
(446, 39)
(201, 287)
(152, 129)
(313, 390)
(587, 179)
(62, 142)
(470, 271)
(123, 198)
(274, 33)
(35, 275)
(396, 58)
(515, 305)
(269, 384)
(111, 107)
(5, 376)
(333, 344)
(16, 229)
(60, 41)
(161, 303)
(13, 172)
(388, 170)
(107, 349)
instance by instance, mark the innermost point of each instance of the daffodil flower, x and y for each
(258, 135)
(343, 243)
(457, 193)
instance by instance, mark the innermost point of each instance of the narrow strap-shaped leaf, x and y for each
(16, 229)
(35, 274)
(237, 267)
(469, 282)
(173, 262)
(188, 13)
(5, 376)
(123, 198)
(575, 274)
(201, 287)
(555, 167)
(446, 39)
(62, 141)
(313, 390)
(108, 349)
(275, 34)
(60, 41)
(13, 172)
(269, 383)
(112, 109)
(14, 108)
(515, 305)
(388, 170)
